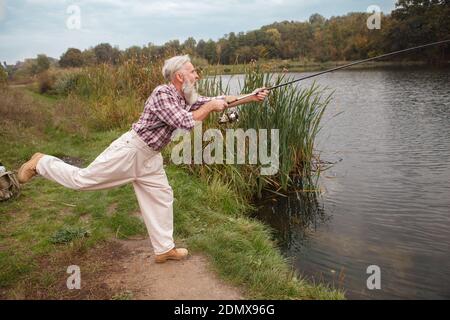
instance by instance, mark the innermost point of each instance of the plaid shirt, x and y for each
(166, 105)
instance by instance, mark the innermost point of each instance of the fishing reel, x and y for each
(229, 117)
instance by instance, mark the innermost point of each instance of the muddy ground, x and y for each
(125, 269)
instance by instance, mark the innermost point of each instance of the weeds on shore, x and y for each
(295, 112)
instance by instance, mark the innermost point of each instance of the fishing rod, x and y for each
(342, 67)
(232, 116)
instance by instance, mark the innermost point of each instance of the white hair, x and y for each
(173, 65)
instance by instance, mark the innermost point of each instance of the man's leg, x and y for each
(113, 167)
(155, 197)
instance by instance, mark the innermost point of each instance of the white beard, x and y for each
(190, 93)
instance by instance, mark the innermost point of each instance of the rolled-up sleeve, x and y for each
(169, 110)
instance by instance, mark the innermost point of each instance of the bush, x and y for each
(46, 82)
(3, 77)
(68, 234)
(66, 83)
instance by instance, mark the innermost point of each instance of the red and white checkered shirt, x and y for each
(165, 105)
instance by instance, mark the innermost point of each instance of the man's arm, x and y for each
(258, 95)
(218, 105)
(214, 105)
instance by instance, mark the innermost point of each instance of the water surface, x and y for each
(386, 201)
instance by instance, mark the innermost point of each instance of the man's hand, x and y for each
(218, 105)
(260, 94)
(257, 95)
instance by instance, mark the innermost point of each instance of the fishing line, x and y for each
(232, 116)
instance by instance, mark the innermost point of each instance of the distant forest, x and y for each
(413, 22)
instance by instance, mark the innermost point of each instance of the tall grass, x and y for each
(295, 112)
(20, 112)
(3, 77)
(113, 95)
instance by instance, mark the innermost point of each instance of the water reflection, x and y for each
(293, 217)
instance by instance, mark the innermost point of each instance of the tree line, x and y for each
(411, 23)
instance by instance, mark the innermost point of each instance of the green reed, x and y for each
(295, 112)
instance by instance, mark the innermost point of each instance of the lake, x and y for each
(386, 200)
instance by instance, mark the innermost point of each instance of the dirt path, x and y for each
(140, 277)
(123, 270)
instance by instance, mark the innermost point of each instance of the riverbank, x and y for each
(297, 66)
(49, 227)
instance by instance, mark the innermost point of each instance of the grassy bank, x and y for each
(48, 220)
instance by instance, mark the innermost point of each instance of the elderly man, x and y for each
(135, 157)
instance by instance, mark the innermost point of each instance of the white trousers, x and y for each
(127, 159)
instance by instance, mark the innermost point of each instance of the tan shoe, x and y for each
(28, 169)
(174, 254)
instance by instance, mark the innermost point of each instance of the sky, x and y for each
(31, 27)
